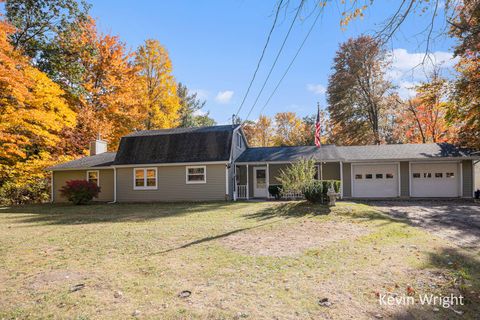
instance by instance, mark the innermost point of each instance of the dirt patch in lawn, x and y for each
(293, 239)
(56, 278)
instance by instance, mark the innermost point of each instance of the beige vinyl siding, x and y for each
(468, 178)
(404, 179)
(347, 179)
(172, 185)
(105, 178)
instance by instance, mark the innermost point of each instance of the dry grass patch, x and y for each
(293, 239)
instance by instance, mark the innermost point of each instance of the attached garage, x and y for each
(375, 180)
(435, 180)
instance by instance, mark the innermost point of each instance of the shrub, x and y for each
(80, 191)
(316, 192)
(477, 194)
(275, 191)
(298, 175)
(15, 193)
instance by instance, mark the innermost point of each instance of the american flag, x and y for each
(318, 129)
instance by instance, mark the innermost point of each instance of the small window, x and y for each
(145, 178)
(93, 176)
(197, 174)
(369, 176)
(427, 174)
(239, 140)
(450, 175)
(379, 176)
(358, 176)
(438, 175)
(416, 175)
(389, 176)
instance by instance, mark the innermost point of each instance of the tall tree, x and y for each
(357, 92)
(423, 117)
(37, 22)
(466, 109)
(190, 112)
(159, 100)
(290, 129)
(260, 133)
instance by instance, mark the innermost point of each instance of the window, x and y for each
(438, 175)
(239, 140)
(450, 175)
(379, 176)
(389, 176)
(416, 175)
(197, 174)
(358, 176)
(93, 176)
(369, 176)
(145, 178)
(427, 174)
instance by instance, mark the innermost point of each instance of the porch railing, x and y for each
(241, 191)
(292, 195)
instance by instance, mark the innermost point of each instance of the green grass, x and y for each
(151, 252)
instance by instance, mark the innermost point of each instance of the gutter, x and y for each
(114, 186)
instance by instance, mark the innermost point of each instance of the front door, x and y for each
(260, 182)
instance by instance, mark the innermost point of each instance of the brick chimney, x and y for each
(98, 146)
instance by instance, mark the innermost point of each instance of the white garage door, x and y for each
(434, 180)
(375, 181)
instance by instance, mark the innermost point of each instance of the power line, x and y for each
(293, 60)
(261, 57)
(276, 58)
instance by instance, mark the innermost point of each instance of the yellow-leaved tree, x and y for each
(33, 112)
(159, 100)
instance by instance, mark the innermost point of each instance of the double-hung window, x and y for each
(93, 176)
(144, 178)
(239, 140)
(196, 174)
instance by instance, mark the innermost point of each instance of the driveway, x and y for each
(454, 220)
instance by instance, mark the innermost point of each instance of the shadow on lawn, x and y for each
(296, 209)
(463, 270)
(64, 214)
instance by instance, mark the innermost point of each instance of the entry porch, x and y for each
(252, 180)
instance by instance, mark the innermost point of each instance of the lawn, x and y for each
(263, 260)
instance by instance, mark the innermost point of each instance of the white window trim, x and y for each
(145, 187)
(196, 167)
(98, 175)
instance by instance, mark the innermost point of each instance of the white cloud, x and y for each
(406, 89)
(416, 64)
(201, 93)
(224, 97)
(316, 88)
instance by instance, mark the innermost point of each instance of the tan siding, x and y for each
(331, 171)
(477, 176)
(274, 172)
(404, 179)
(61, 177)
(172, 185)
(468, 182)
(347, 179)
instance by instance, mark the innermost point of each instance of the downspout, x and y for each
(51, 187)
(114, 185)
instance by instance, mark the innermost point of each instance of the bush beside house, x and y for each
(80, 191)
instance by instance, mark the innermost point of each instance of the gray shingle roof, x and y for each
(327, 152)
(99, 160)
(178, 145)
(402, 151)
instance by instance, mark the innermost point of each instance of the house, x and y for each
(216, 163)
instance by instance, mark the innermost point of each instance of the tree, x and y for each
(159, 100)
(38, 22)
(190, 109)
(357, 92)
(466, 97)
(290, 130)
(423, 117)
(260, 133)
(325, 130)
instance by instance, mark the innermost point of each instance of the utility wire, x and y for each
(276, 58)
(261, 57)
(293, 60)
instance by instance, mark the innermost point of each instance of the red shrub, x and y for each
(80, 191)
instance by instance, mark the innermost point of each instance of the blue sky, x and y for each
(215, 45)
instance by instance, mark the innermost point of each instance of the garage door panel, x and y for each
(435, 180)
(375, 181)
